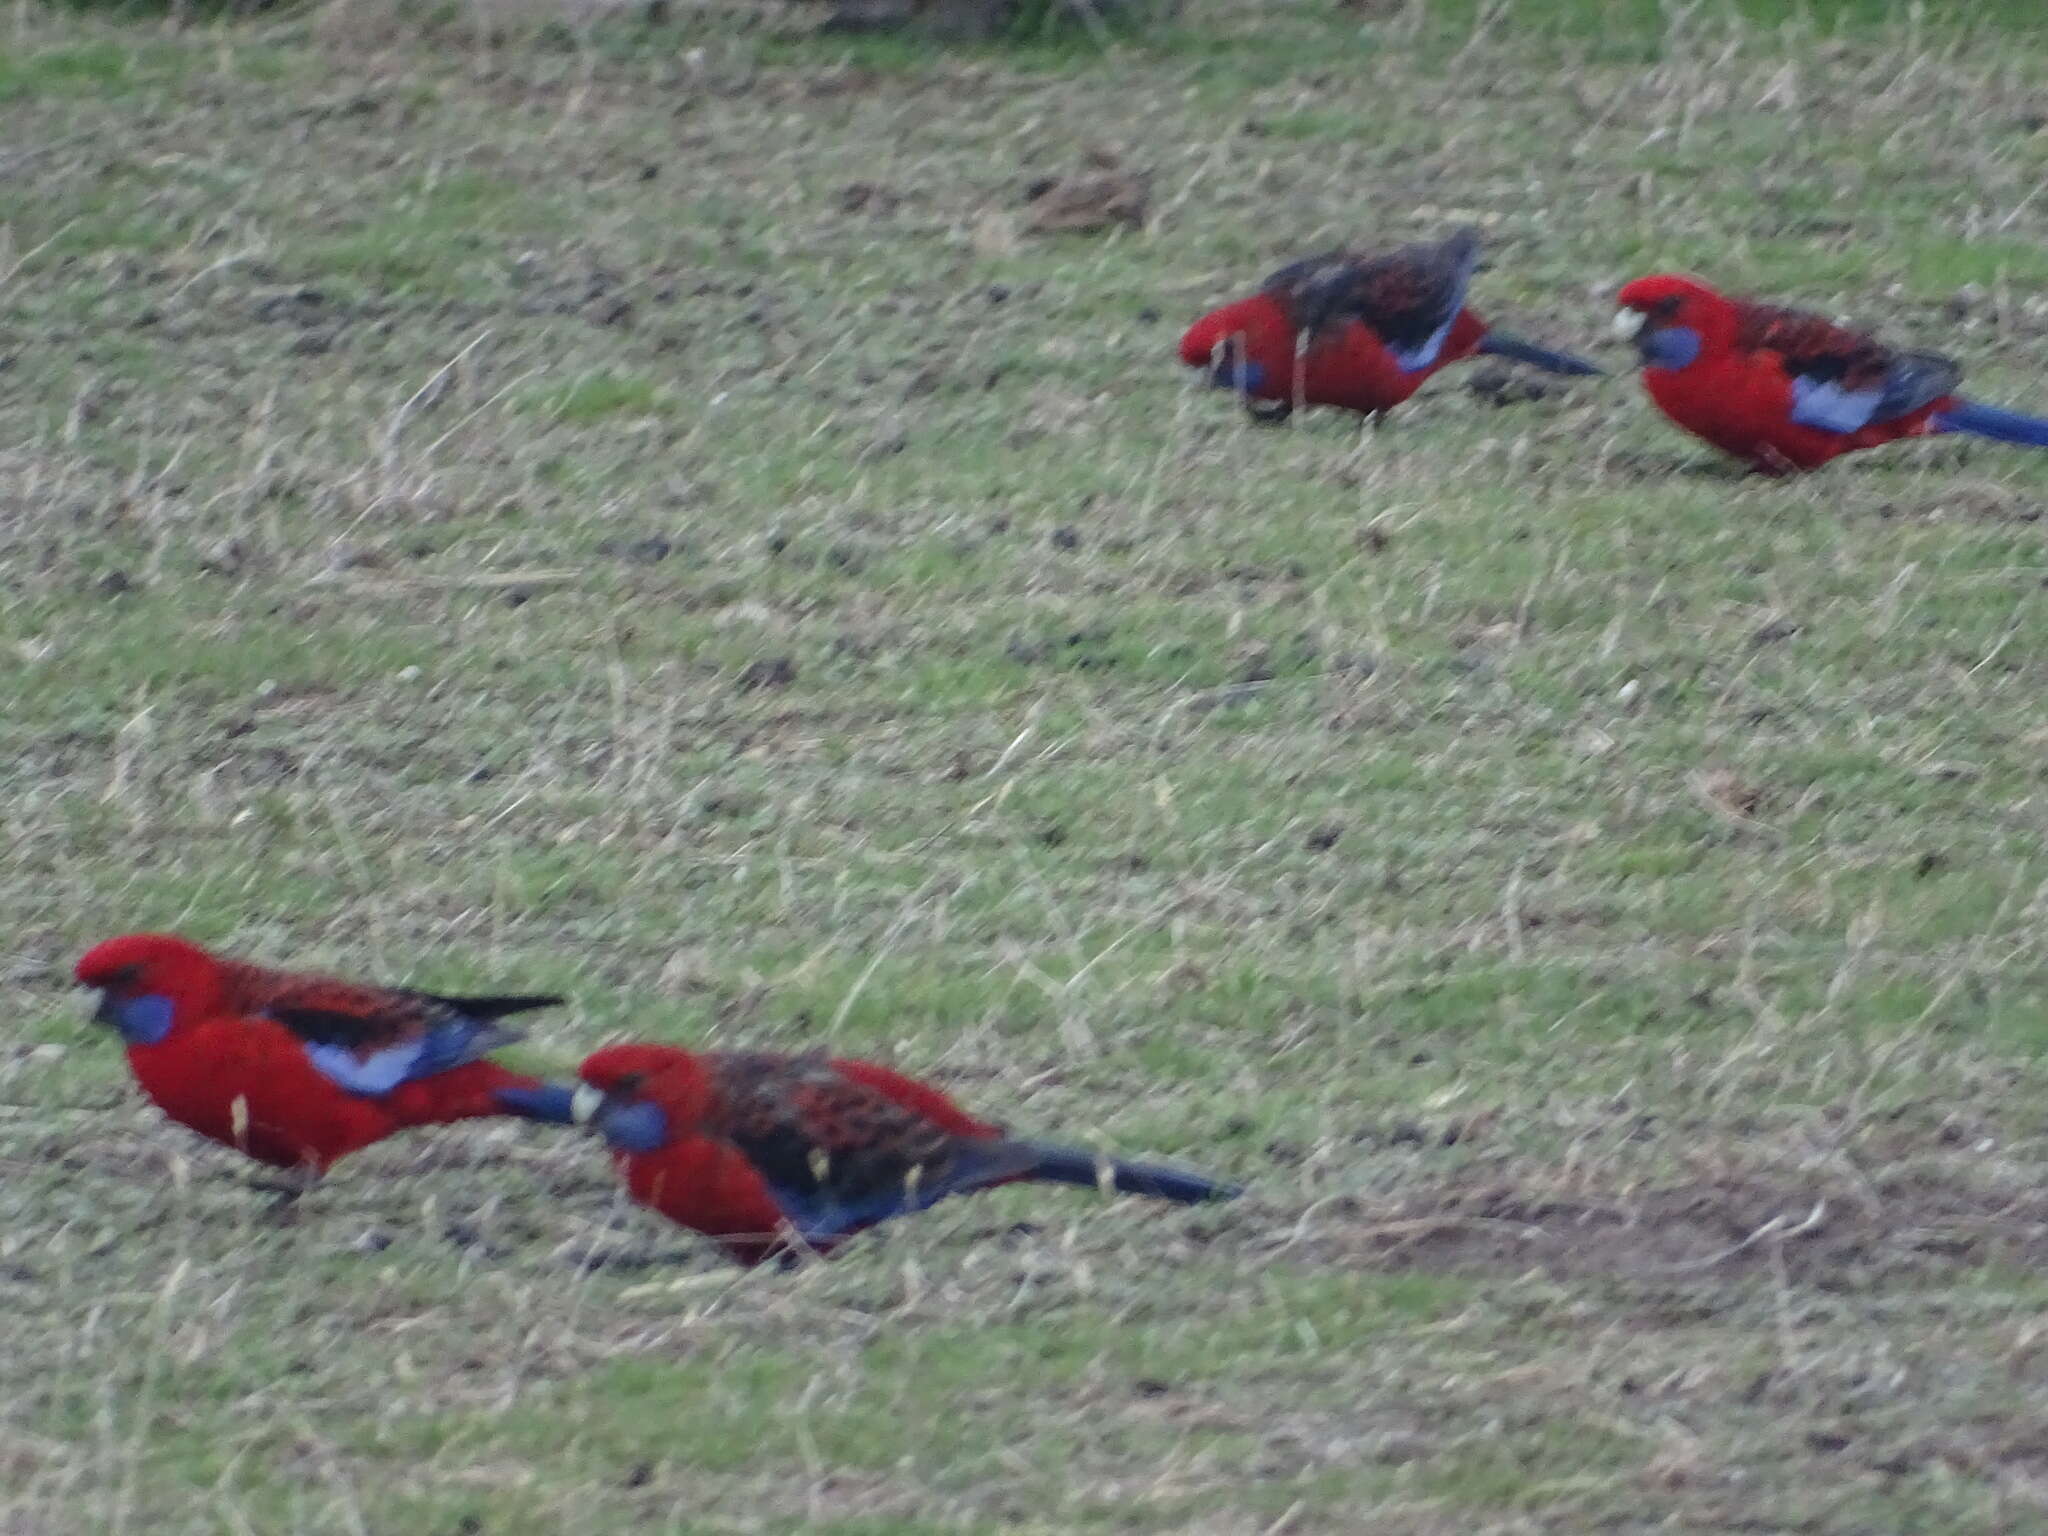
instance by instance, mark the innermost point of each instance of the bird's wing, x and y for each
(918, 1098)
(369, 1039)
(1408, 297)
(837, 1154)
(1843, 380)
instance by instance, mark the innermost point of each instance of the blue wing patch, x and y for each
(377, 1073)
(1822, 398)
(822, 1215)
(1462, 252)
(1423, 353)
(440, 1049)
(1827, 405)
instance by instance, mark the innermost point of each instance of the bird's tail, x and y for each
(1502, 344)
(496, 1005)
(532, 1100)
(1073, 1165)
(1989, 421)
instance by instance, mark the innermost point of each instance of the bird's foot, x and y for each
(289, 1188)
(284, 1210)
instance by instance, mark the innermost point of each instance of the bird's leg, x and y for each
(289, 1187)
(293, 1181)
(792, 1249)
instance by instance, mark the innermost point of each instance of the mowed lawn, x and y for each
(639, 513)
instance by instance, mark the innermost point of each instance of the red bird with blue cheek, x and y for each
(1786, 390)
(778, 1156)
(296, 1070)
(1355, 330)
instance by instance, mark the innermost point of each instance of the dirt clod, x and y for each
(1508, 386)
(1088, 203)
(769, 672)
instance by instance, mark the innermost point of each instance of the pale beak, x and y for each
(584, 1104)
(1628, 322)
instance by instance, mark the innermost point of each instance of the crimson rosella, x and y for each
(296, 1070)
(1355, 330)
(1787, 390)
(776, 1156)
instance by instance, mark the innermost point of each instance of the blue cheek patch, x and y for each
(141, 1020)
(1669, 346)
(1233, 374)
(635, 1127)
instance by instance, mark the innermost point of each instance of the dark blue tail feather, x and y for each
(1989, 421)
(548, 1102)
(495, 1006)
(1072, 1165)
(1501, 344)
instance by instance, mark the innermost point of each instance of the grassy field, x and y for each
(637, 512)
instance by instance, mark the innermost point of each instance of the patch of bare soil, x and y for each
(1830, 1235)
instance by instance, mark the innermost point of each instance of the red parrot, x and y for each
(1354, 330)
(296, 1070)
(775, 1156)
(1788, 390)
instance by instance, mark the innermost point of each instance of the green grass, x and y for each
(95, 68)
(626, 512)
(595, 396)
